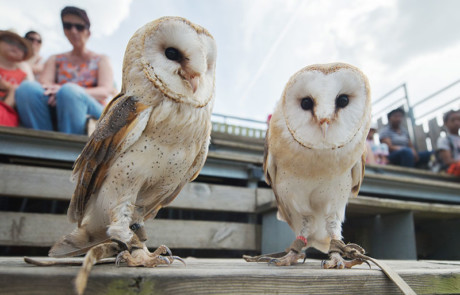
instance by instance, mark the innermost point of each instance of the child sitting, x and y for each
(448, 152)
(13, 51)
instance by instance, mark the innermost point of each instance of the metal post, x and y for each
(410, 114)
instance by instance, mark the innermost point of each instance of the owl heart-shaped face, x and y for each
(327, 106)
(179, 57)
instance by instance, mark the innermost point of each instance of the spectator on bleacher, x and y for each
(448, 152)
(74, 84)
(35, 61)
(402, 151)
(13, 51)
(376, 153)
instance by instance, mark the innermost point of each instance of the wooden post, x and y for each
(393, 237)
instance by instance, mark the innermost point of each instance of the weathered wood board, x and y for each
(230, 276)
(52, 183)
(31, 229)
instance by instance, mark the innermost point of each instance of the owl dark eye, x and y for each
(135, 226)
(342, 101)
(173, 54)
(306, 103)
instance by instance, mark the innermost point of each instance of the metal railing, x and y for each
(420, 112)
(432, 106)
(238, 126)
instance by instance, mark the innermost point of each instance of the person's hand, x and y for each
(51, 90)
(7, 86)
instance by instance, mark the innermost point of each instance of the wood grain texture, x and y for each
(31, 229)
(373, 205)
(51, 183)
(230, 276)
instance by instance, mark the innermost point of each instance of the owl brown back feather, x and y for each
(117, 120)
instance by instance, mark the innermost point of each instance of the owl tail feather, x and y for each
(76, 243)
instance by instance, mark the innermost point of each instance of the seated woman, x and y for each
(74, 84)
(35, 61)
(448, 152)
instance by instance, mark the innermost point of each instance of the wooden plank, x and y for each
(399, 170)
(373, 206)
(42, 230)
(51, 183)
(230, 276)
(234, 156)
(413, 180)
(434, 130)
(18, 131)
(420, 136)
(238, 145)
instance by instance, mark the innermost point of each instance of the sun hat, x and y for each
(4, 34)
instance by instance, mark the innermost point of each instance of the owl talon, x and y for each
(180, 259)
(165, 259)
(122, 245)
(121, 257)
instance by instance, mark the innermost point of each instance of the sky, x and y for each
(261, 43)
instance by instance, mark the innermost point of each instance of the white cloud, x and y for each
(392, 41)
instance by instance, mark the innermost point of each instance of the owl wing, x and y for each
(120, 125)
(194, 169)
(270, 170)
(357, 175)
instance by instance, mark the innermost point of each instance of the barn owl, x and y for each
(150, 141)
(314, 158)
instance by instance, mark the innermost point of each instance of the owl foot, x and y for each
(263, 258)
(338, 249)
(277, 259)
(141, 257)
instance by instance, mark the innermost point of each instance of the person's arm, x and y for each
(9, 88)
(370, 158)
(446, 157)
(48, 80)
(48, 76)
(105, 81)
(26, 68)
(384, 136)
(444, 151)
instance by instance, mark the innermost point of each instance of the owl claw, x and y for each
(122, 245)
(180, 259)
(120, 258)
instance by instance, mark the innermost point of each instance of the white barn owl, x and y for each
(314, 158)
(150, 141)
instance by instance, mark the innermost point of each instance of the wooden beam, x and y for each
(43, 230)
(229, 276)
(372, 206)
(51, 183)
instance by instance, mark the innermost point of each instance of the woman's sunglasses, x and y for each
(68, 26)
(32, 39)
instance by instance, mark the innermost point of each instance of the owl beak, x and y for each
(324, 124)
(324, 129)
(194, 82)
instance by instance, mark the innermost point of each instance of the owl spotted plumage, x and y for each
(150, 141)
(315, 155)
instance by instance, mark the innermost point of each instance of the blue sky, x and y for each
(261, 43)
